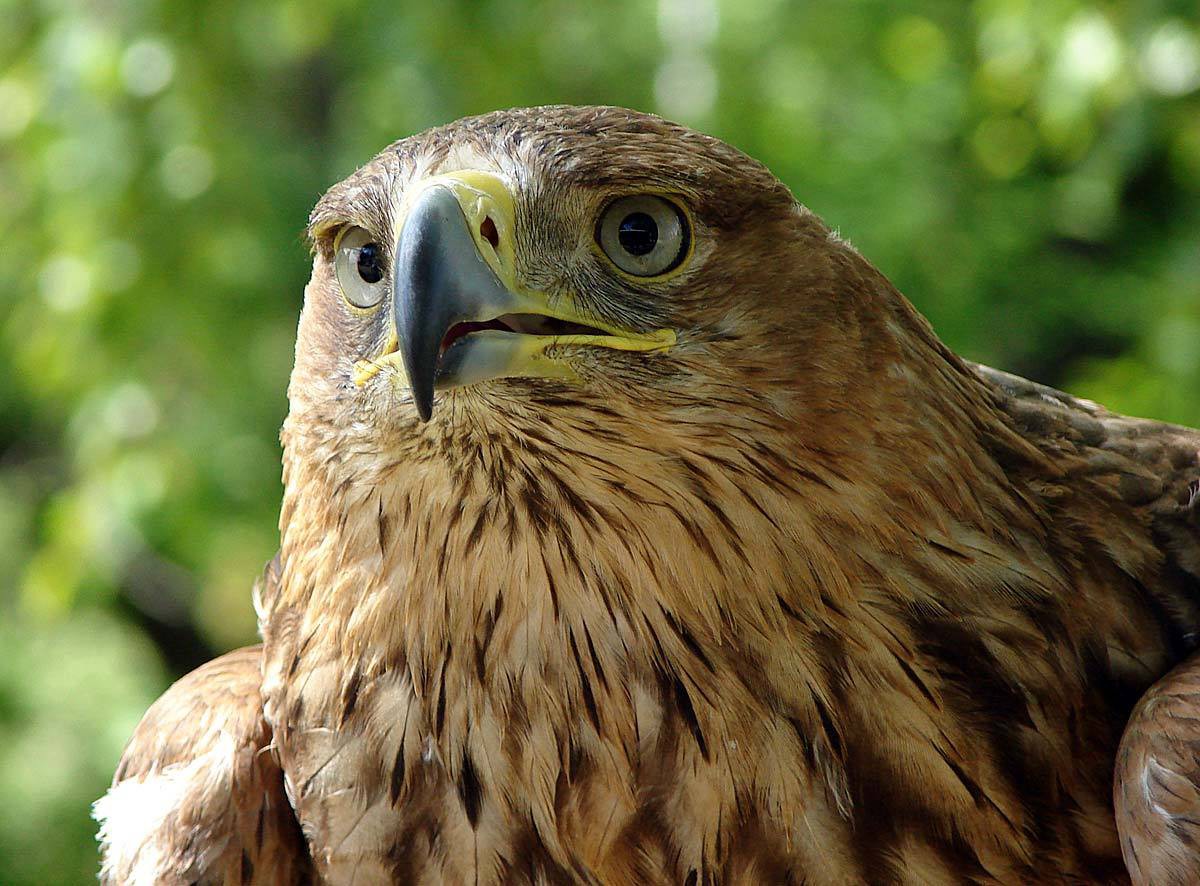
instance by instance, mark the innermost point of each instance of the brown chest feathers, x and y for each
(578, 655)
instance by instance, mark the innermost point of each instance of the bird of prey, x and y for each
(637, 530)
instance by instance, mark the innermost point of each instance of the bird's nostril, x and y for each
(487, 230)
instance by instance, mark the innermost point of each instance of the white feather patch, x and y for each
(134, 832)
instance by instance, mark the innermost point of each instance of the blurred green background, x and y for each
(1027, 172)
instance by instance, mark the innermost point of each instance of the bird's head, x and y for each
(542, 265)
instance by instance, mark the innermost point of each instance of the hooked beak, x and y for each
(459, 316)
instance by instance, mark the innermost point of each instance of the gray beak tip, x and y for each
(424, 403)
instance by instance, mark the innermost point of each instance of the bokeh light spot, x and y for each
(186, 171)
(1003, 146)
(17, 107)
(1090, 53)
(1170, 61)
(914, 48)
(147, 67)
(687, 23)
(130, 411)
(685, 87)
(65, 283)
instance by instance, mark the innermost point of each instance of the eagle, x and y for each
(635, 529)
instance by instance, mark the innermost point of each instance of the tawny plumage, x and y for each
(198, 798)
(659, 540)
(1157, 789)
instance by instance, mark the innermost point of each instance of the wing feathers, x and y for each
(1156, 792)
(198, 796)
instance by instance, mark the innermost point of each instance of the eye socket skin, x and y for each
(359, 265)
(643, 235)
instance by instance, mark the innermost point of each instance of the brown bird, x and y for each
(637, 530)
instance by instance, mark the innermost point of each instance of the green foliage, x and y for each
(1027, 172)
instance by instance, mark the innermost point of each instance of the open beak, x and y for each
(459, 317)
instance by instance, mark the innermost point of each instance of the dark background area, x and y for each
(1028, 173)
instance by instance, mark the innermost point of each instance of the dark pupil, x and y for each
(369, 266)
(638, 233)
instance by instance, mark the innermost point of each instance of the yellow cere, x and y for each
(481, 195)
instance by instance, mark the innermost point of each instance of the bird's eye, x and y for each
(644, 235)
(359, 265)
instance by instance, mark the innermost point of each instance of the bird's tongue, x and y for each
(458, 330)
